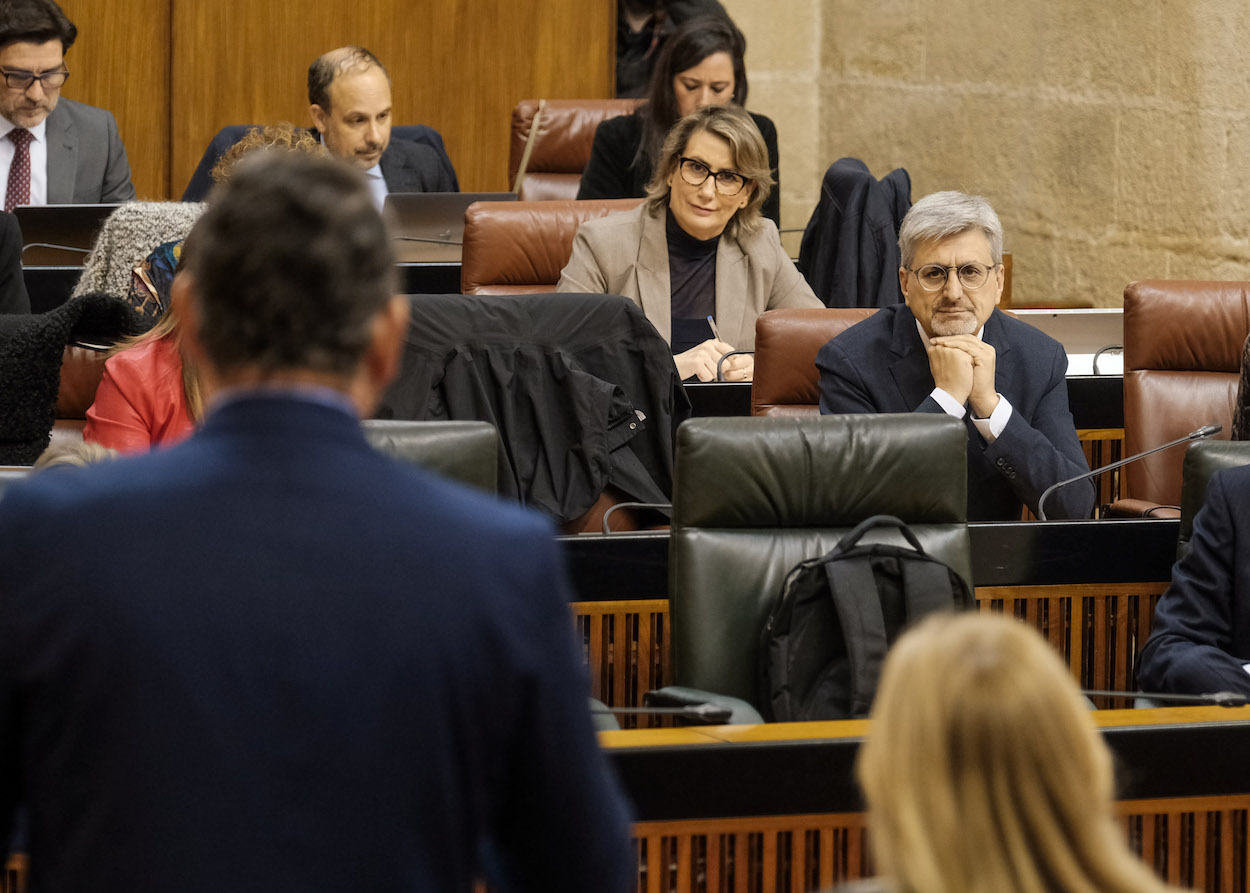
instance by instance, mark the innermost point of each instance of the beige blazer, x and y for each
(626, 253)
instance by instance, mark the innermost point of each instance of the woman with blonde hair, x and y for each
(984, 771)
(697, 256)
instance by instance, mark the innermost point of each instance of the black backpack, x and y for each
(829, 628)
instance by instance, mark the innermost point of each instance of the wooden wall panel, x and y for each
(120, 62)
(457, 65)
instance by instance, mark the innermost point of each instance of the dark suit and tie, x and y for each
(950, 349)
(880, 365)
(86, 161)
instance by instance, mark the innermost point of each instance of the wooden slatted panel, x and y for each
(626, 649)
(712, 863)
(1098, 628)
(826, 877)
(1198, 842)
(1102, 446)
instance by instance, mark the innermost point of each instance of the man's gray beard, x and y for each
(964, 325)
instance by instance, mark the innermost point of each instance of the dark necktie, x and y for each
(18, 190)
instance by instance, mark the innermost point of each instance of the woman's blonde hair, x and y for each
(733, 124)
(984, 772)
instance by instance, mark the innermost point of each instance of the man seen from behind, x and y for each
(270, 658)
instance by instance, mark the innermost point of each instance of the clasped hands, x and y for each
(701, 361)
(963, 366)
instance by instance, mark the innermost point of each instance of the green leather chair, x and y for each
(1202, 460)
(755, 496)
(462, 451)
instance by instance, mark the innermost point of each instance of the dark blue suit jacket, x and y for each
(1201, 632)
(272, 659)
(880, 365)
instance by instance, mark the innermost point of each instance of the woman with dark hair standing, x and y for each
(701, 65)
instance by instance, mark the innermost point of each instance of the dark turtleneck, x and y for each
(692, 281)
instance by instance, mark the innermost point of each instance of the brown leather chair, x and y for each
(82, 368)
(521, 247)
(561, 144)
(1182, 359)
(786, 343)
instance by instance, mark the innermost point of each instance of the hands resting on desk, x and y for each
(700, 361)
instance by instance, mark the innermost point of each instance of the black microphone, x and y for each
(1204, 431)
(1216, 699)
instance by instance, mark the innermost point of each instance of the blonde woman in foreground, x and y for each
(984, 772)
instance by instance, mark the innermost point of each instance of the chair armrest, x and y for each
(1141, 508)
(740, 712)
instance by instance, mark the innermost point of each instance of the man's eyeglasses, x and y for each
(727, 182)
(934, 276)
(21, 80)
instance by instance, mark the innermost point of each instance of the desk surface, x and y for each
(795, 768)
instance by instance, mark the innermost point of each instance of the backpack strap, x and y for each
(863, 627)
(927, 588)
(849, 541)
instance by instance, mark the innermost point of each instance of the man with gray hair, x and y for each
(949, 349)
(271, 658)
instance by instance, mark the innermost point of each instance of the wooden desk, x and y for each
(775, 807)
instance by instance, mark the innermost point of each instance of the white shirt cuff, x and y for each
(993, 426)
(949, 404)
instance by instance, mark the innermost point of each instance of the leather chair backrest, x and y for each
(82, 368)
(521, 247)
(201, 182)
(462, 451)
(1202, 460)
(786, 343)
(561, 146)
(1182, 359)
(755, 496)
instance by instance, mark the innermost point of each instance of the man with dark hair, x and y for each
(349, 95)
(269, 658)
(52, 150)
(949, 349)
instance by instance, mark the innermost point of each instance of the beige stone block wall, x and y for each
(1112, 137)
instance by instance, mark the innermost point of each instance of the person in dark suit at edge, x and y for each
(52, 150)
(13, 296)
(1200, 640)
(349, 92)
(949, 349)
(270, 658)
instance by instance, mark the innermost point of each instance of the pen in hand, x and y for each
(715, 331)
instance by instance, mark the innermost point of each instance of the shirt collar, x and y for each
(39, 131)
(308, 393)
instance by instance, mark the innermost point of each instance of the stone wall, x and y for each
(1113, 138)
